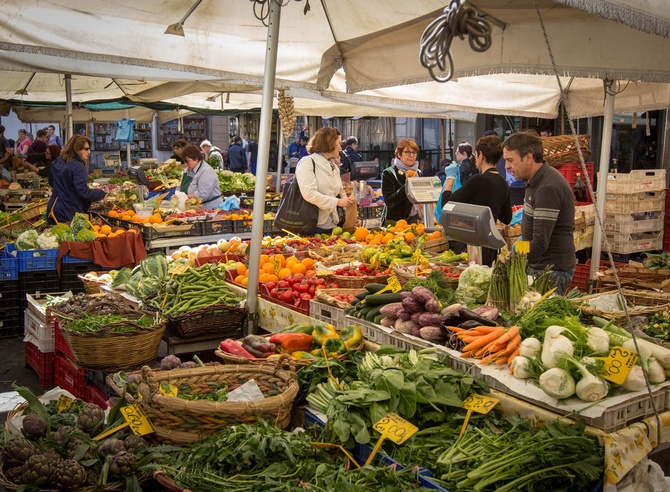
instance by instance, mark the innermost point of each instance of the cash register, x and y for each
(362, 171)
(473, 225)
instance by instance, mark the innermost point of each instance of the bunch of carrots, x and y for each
(489, 344)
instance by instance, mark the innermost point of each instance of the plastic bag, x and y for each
(230, 203)
(180, 198)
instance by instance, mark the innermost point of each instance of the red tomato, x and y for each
(283, 284)
(299, 277)
(287, 296)
(301, 287)
(270, 285)
(306, 296)
(310, 274)
(312, 289)
(273, 292)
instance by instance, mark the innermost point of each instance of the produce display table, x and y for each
(172, 242)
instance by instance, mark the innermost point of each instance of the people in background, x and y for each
(488, 189)
(5, 147)
(426, 167)
(294, 148)
(22, 143)
(200, 179)
(318, 178)
(345, 163)
(253, 155)
(548, 209)
(245, 146)
(237, 159)
(352, 150)
(69, 182)
(546, 131)
(464, 159)
(53, 138)
(405, 166)
(302, 152)
(177, 148)
(40, 144)
(212, 154)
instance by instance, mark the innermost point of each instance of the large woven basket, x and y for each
(119, 485)
(561, 149)
(180, 421)
(639, 302)
(324, 295)
(107, 350)
(346, 282)
(226, 320)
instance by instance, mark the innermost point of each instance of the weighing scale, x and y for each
(426, 192)
(361, 171)
(473, 225)
(136, 175)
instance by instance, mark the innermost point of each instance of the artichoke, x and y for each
(92, 478)
(170, 362)
(122, 464)
(17, 451)
(133, 383)
(90, 418)
(34, 427)
(75, 453)
(37, 470)
(63, 435)
(110, 447)
(69, 475)
(189, 364)
(133, 442)
(14, 474)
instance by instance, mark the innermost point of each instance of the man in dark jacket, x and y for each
(237, 158)
(352, 150)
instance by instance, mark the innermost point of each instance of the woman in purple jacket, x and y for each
(69, 182)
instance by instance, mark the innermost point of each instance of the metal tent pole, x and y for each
(280, 154)
(265, 130)
(69, 124)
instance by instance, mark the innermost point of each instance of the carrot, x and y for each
(511, 346)
(455, 329)
(467, 355)
(489, 358)
(483, 340)
(514, 353)
(480, 353)
(501, 361)
(467, 339)
(511, 333)
(485, 329)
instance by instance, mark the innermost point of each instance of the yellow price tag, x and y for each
(618, 364)
(395, 428)
(137, 420)
(393, 285)
(480, 403)
(63, 403)
(277, 265)
(522, 247)
(178, 267)
(168, 389)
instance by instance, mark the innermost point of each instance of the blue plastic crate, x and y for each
(72, 259)
(9, 267)
(33, 260)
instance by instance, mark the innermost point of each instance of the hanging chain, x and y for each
(457, 20)
(262, 8)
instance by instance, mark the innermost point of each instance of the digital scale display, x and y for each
(462, 223)
(423, 190)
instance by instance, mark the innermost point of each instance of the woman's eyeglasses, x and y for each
(86, 148)
(409, 152)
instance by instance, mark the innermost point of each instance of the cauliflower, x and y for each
(27, 240)
(85, 235)
(46, 240)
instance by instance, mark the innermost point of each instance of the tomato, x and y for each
(312, 289)
(306, 296)
(319, 281)
(283, 284)
(335, 286)
(299, 277)
(270, 285)
(310, 274)
(273, 292)
(301, 287)
(339, 271)
(287, 296)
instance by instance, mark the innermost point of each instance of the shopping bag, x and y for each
(294, 213)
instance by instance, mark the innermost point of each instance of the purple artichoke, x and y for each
(133, 442)
(34, 427)
(69, 475)
(91, 417)
(14, 474)
(37, 470)
(17, 451)
(110, 447)
(122, 464)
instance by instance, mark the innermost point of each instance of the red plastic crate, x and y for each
(60, 343)
(41, 362)
(96, 395)
(70, 376)
(580, 279)
(569, 172)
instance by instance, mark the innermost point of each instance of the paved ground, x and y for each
(13, 370)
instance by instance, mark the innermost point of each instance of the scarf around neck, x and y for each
(404, 167)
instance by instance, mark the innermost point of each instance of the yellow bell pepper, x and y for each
(352, 336)
(322, 332)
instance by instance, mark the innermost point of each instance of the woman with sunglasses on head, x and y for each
(404, 166)
(69, 182)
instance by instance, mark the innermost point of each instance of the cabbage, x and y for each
(78, 223)
(46, 240)
(27, 240)
(473, 284)
(63, 232)
(121, 278)
(85, 236)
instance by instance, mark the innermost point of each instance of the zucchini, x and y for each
(374, 311)
(363, 312)
(354, 302)
(373, 288)
(382, 299)
(362, 295)
(378, 319)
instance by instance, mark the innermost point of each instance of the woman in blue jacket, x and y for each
(69, 182)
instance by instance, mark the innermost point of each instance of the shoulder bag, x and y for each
(295, 214)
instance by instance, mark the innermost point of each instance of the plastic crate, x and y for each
(382, 335)
(99, 380)
(150, 233)
(210, 227)
(93, 394)
(11, 324)
(72, 259)
(242, 225)
(570, 170)
(75, 286)
(42, 363)
(580, 279)
(328, 314)
(37, 283)
(653, 201)
(635, 243)
(636, 181)
(34, 260)
(9, 267)
(9, 292)
(369, 212)
(43, 333)
(637, 222)
(35, 302)
(70, 376)
(61, 345)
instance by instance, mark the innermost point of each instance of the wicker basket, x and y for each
(227, 320)
(106, 350)
(346, 282)
(91, 286)
(119, 485)
(181, 421)
(404, 274)
(324, 296)
(650, 302)
(561, 149)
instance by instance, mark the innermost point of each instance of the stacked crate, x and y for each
(37, 272)
(70, 269)
(69, 375)
(39, 341)
(10, 313)
(666, 239)
(635, 211)
(570, 171)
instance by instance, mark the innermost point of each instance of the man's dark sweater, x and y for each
(549, 220)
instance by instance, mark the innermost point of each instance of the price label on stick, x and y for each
(137, 420)
(63, 403)
(168, 389)
(277, 265)
(393, 285)
(395, 428)
(618, 364)
(480, 403)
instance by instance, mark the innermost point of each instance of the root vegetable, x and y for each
(557, 383)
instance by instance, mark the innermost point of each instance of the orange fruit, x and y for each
(408, 236)
(435, 235)
(309, 263)
(242, 269)
(264, 259)
(264, 277)
(245, 281)
(113, 213)
(388, 237)
(156, 219)
(273, 278)
(401, 223)
(238, 279)
(360, 234)
(369, 238)
(420, 229)
(105, 229)
(284, 272)
(299, 268)
(292, 261)
(268, 267)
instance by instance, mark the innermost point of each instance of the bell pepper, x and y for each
(323, 332)
(232, 347)
(334, 347)
(302, 355)
(299, 328)
(292, 342)
(352, 336)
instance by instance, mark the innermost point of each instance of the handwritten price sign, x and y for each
(137, 420)
(395, 428)
(480, 403)
(393, 285)
(177, 268)
(618, 364)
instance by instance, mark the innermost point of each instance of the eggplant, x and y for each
(467, 315)
(452, 318)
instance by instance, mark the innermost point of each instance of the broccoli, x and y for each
(63, 232)
(79, 222)
(85, 235)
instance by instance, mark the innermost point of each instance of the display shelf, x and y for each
(104, 137)
(194, 130)
(141, 146)
(171, 242)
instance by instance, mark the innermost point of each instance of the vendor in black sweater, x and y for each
(488, 189)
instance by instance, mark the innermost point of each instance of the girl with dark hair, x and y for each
(465, 161)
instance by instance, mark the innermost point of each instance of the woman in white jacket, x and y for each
(318, 177)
